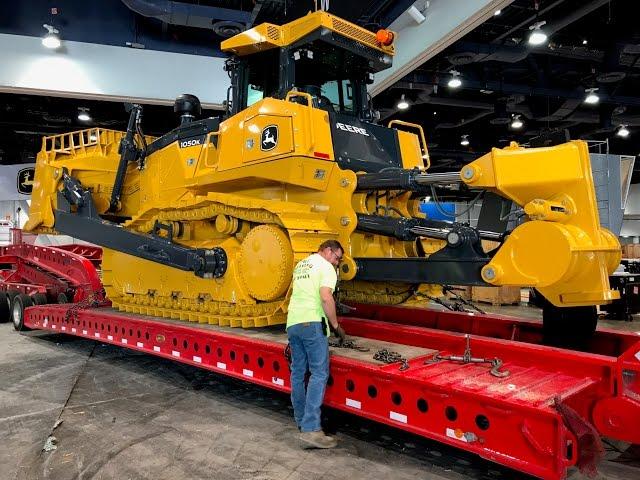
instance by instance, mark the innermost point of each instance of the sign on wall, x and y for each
(16, 181)
(24, 180)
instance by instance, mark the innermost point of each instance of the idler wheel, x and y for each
(266, 262)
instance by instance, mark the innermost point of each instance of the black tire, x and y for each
(5, 307)
(11, 294)
(39, 299)
(19, 303)
(62, 298)
(568, 327)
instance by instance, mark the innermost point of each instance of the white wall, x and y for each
(103, 72)
(15, 210)
(445, 22)
(631, 228)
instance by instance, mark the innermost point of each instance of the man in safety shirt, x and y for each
(312, 310)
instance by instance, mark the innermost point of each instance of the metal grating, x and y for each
(352, 31)
(273, 33)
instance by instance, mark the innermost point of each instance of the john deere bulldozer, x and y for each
(206, 222)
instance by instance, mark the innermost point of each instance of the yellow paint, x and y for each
(267, 36)
(270, 208)
(563, 251)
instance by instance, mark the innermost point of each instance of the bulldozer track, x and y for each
(210, 312)
(195, 308)
(201, 209)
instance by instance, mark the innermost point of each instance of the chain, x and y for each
(495, 363)
(389, 356)
(94, 299)
(348, 344)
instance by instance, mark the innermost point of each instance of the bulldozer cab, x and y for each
(321, 55)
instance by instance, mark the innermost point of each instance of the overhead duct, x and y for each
(225, 22)
(473, 52)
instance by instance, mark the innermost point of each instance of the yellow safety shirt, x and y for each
(309, 275)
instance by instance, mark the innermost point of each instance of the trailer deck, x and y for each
(509, 419)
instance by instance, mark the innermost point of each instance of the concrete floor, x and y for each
(118, 414)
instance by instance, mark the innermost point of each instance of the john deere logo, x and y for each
(25, 180)
(269, 138)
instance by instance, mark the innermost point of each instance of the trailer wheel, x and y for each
(11, 294)
(5, 310)
(19, 303)
(40, 299)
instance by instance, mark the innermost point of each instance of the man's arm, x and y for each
(329, 306)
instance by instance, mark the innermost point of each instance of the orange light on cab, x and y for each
(384, 37)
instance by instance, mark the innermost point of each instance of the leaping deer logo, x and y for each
(25, 180)
(269, 139)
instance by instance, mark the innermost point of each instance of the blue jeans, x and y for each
(309, 351)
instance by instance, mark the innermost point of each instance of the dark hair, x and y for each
(332, 244)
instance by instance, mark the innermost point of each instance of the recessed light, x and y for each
(623, 131)
(51, 39)
(83, 114)
(516, 123)
(454, 81)
(591, 97)
(402, 103)
(537, 36)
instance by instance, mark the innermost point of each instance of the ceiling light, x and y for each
(497, 12)
(592, 97)
(83, 114)
(584, 42)
(623, 131)
(403, 104)
(454, 81)
(516, 122)
(435, 113)
(464, 140)
(537, 36)
(51, 39)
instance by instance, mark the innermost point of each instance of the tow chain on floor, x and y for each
(496, 363)
(389, 356)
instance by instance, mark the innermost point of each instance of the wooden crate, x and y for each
(496, 295)
(625, 251)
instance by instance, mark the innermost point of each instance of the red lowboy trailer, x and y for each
(533, 408)
(35, 274)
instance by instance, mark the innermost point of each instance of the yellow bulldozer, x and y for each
(206, 222)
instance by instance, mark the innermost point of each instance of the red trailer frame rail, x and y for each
(63, 272)
(509, 420)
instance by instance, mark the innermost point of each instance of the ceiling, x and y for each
(24, 119)
(502, 75)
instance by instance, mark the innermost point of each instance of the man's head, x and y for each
(331, 251)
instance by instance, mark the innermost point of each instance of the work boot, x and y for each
(317, 440)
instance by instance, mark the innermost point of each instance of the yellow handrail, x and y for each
(423, 141)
